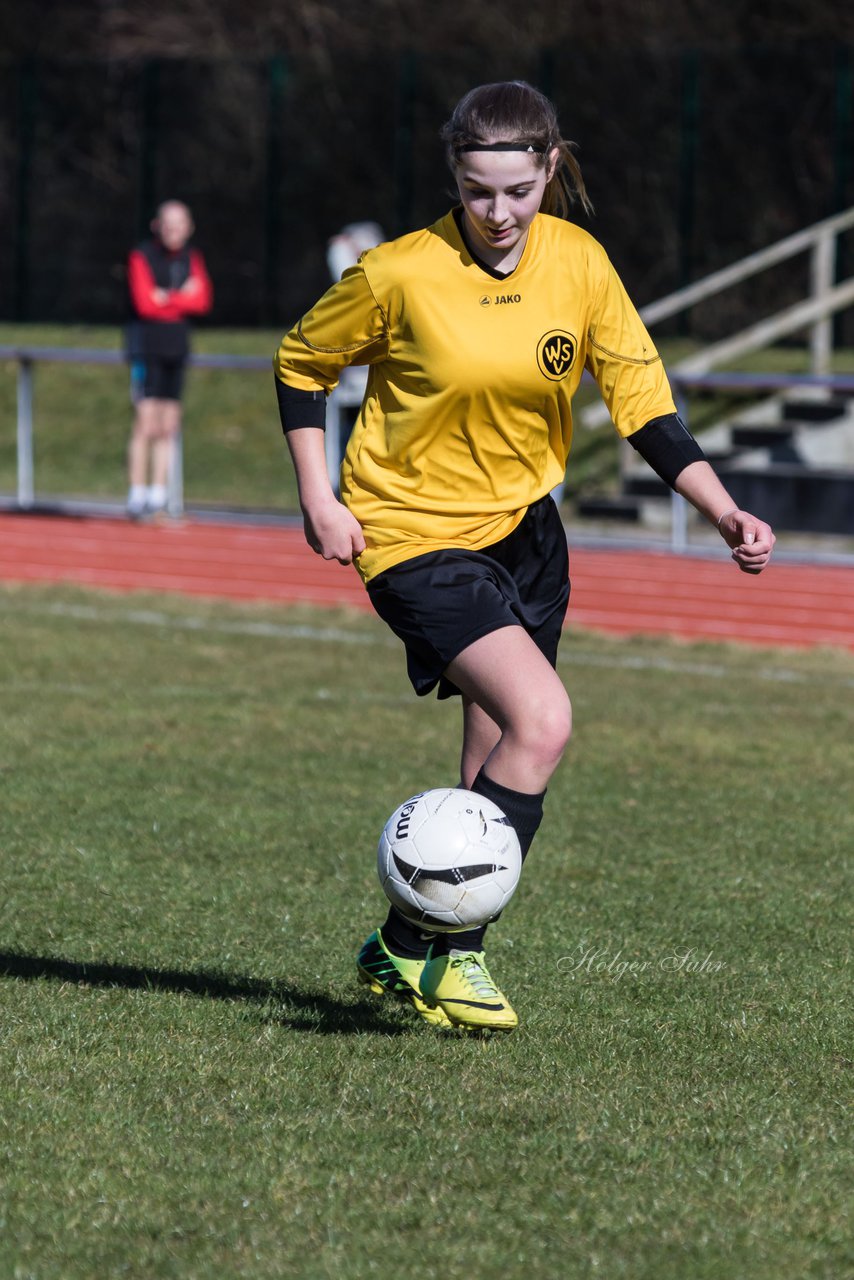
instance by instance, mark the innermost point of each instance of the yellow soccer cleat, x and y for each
(388, 974)
(461, 986)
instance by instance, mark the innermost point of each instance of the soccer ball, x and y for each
(449, 859)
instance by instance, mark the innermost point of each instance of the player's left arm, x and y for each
(625, 363)
(750, 539)
(668, 447)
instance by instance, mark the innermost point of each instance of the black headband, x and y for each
(502, 146)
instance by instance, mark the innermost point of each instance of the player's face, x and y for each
(501, 193)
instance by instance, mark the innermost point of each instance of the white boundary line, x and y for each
(338, 635)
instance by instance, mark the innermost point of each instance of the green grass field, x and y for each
(191, 1082)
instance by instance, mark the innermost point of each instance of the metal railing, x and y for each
(348, 395)
(684, 381)
(815, 312)
(27, 357)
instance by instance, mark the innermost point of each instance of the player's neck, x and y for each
(502, 262)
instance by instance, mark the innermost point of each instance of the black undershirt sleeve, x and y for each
(300, 408)
(667, 446)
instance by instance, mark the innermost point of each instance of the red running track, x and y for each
(623, 592)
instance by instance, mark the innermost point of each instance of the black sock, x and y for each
(404, 938)
(524, 810)
(465, 940)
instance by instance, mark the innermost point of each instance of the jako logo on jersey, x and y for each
(501, 300)
(556, 353)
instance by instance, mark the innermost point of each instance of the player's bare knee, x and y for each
(555, 736)
(546, 730)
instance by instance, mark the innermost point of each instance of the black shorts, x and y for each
(154, 378)
(441, 602)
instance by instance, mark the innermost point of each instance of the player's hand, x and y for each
(333, 532)
(750, 538)
(191, 285)
(160, 296)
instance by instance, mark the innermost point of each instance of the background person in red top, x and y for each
(168, 283)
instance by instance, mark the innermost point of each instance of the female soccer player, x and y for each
(476, 331)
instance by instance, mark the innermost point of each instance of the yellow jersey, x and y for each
(467, 418)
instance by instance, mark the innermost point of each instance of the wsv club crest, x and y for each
(556, 353)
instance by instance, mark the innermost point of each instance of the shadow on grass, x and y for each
(277, 1002)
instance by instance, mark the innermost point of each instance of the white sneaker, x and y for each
(156, 500)
(136, 503)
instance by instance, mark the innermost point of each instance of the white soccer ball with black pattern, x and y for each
(449, 859)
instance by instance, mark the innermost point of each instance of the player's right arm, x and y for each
(347, 326)
(330, 529)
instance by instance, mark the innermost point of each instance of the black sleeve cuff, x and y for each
(667, 446)
(300, 408)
